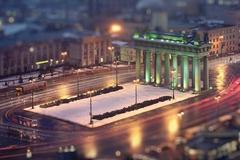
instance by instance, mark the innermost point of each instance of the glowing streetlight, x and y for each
(115, 28)
(111, 50)
(90, 105)
(63, 54)
(136, 83)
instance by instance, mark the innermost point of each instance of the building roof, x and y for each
(211, 25)
(32, 36)
(172, 38)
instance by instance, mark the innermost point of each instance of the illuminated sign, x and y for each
(41, 62)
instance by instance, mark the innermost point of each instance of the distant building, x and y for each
(224, 39)
(28, 51)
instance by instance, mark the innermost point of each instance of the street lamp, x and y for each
(173, 85)
(63, 54)
(111, 49)
(90, 105)
(116, 73)
(78, 89)
(32, 100)
(136, 83)
(115, 28)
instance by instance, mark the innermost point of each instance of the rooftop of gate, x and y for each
(171, 38)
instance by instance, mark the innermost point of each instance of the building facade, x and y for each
(30, 52)
(167, 59)
(224, 39)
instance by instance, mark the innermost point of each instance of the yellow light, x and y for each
(63, 92)
(64, 53)
(41, 62)
(116, 28)
(110, 48)
(172, 126)
(90, 148)
(135, 137)
(221, 76)
(90, 92)
(136, 81)
(117, 153)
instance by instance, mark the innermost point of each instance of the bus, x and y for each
(30, 87)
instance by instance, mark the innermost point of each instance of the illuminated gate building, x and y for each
(172, 60)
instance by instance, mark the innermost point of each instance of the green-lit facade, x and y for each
(172, 57)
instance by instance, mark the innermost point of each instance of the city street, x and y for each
(159, 127)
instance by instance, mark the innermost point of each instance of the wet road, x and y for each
(159, 127)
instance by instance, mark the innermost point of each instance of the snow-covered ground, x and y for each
(78, 111)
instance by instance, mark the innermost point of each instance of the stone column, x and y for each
(205, 73)
(185, 73)
(167, 69)
(138, 63)
(196, 74)
(147, 66)
(175, 69)
(158, 68)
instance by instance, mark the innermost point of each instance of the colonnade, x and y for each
(168, 66)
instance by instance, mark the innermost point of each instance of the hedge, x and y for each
(131, 108)
(81, 96)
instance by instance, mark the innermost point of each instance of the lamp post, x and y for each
(136, 83)
(116, 69)
(63, 54)
(111, 49)
(32, 100)
(173, 85)
(90, 105)
(78, 89)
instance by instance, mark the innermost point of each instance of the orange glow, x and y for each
(63, 91)
(221, 76)
(90, 148)
(115, 28)
(135, 137)
(172, 126)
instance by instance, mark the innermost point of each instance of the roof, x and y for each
(32, 36)
(172, 38)
(210, 26)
